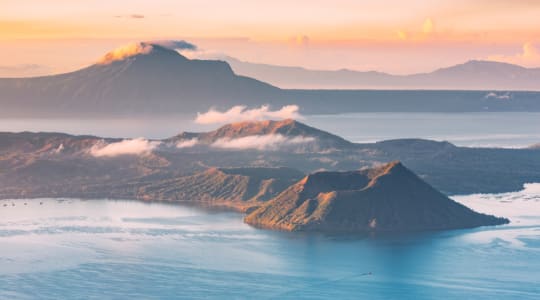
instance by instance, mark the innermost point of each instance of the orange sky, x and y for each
(393, 36)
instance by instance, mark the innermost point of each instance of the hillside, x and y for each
(52, 164)
(382, 199)
(237, 188)
(135, 79)
(274, 135)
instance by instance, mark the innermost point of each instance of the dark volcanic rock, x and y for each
(382, 199)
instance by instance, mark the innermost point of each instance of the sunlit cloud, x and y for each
(187, 143)
(402, 35)
(242, 113)
(269, 142)
(302, 40)
(124, 52)
(142, 48)
(428, 27)
(136, 146)
(529, 56)
(131, 16)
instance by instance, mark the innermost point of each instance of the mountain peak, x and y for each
(473, 66)
(288, 134)
(133, 50)
(386, 198)
(391, 167)
(286, 127)
(261, 127)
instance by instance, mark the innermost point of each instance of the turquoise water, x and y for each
(99, 249)
(107, 249)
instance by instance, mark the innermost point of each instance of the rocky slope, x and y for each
(382, 199)
(236, 188)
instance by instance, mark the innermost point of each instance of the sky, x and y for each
(53, 36)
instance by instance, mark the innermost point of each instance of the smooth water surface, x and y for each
(102, 249)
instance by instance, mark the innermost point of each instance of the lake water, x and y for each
(99, 249)
(505, 129)
(102, 249)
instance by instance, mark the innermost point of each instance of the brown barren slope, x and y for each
(382, 199)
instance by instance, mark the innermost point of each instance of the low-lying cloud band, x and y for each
(136, 146)
(240, 113)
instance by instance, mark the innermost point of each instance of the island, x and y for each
(387, 198)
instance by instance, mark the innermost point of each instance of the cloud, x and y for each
(136, 146)
(261, 142)
(126, 51)
(242, 113)
(428, 27)
(134, 49)
(301, 41)
(175, 44)
(402, 35)
(502, 96)
(187, 143)
(131, 16)
(529, 56)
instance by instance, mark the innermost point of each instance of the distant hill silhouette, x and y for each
(472, 75)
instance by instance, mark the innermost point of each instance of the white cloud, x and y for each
(502, 96)
(261, 142)
(187, 143)
(529, 56)
(242, 113)
(136, 146)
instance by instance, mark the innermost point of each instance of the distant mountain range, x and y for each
(151, 80)
(472, 75)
